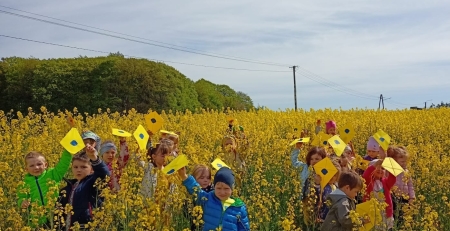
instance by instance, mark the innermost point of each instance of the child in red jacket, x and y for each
(379, 186)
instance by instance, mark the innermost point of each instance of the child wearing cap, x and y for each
(220, 210)
(108, 151)
(373, 149)
(92, 139)
(330, 127)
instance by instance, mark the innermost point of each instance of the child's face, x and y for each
(315, 158)
(331, 131)
(90, 142)
(343, 161)
(228, 145)
(222, 191)
(373, 153)
(159, 159)
(402, 161)
(36, 165)
(351, 193)
(204, 179)
(109, 155)
(379, 173)
(81, 169)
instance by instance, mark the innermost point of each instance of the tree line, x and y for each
(113, 82)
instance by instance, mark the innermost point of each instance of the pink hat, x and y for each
(330, 124)
(373, 145)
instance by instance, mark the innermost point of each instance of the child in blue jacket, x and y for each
(220, 209)
(81, 192)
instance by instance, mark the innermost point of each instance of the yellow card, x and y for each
(337, 144)
(392, 166)
(347, 132)
(176, 164)
(321, 139)
(369, 209)
(73, 142)
(218, 163)
(154, 122)
(326, 170)
(383, 139)
(121, 133)
(363, 164)
(141, 137)
(301, 140)
(168, 132)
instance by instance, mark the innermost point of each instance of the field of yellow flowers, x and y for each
(270, 187)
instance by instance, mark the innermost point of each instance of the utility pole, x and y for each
(295, 87)
(381, 102)
(426, 103)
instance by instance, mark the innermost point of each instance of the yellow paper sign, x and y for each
(121, 133)
(369, 209)
(347, 132)
(141, 137)
(154, 122)
(168, 132)
(392, 166)
(176, 164)
(383, 139)
(326, 170)
(321, 139)
(337, 144)
(301, 140)
(73, 142)
(297, 130)
(218, 163)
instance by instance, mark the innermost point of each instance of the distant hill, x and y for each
(111, 82)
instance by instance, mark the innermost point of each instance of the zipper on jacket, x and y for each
(240, 221)
(40, 191)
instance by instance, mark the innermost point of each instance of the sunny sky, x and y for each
(348, 52)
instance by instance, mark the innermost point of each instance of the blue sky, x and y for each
(396, 48)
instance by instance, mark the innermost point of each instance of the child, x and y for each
(373, 149)
(220, 210)
(342, 202)
(92, 139)
(231, 155)
(403, 193)
(36, 185)
(174, 139)
(81, 193)
(108, 154)
(157, 162)
(331, 127)
(379, 186)
(322, 206)
(202, 175)
(314, 155)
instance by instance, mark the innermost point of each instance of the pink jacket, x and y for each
(404, 186)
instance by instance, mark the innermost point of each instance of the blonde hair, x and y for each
(397, 152)
(34, 154)
(199, 169)
(173, 138)
(233, 140)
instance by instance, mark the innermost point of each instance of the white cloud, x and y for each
(396, 48)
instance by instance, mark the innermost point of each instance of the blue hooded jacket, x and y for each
(304, 172)
(234, 218)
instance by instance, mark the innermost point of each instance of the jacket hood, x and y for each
(336, 195)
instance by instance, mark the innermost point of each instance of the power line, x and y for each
(153, 43)
(156, 60)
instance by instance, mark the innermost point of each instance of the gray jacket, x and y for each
(338, 218)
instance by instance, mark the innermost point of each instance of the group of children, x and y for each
(331, 206)
(98, 160)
